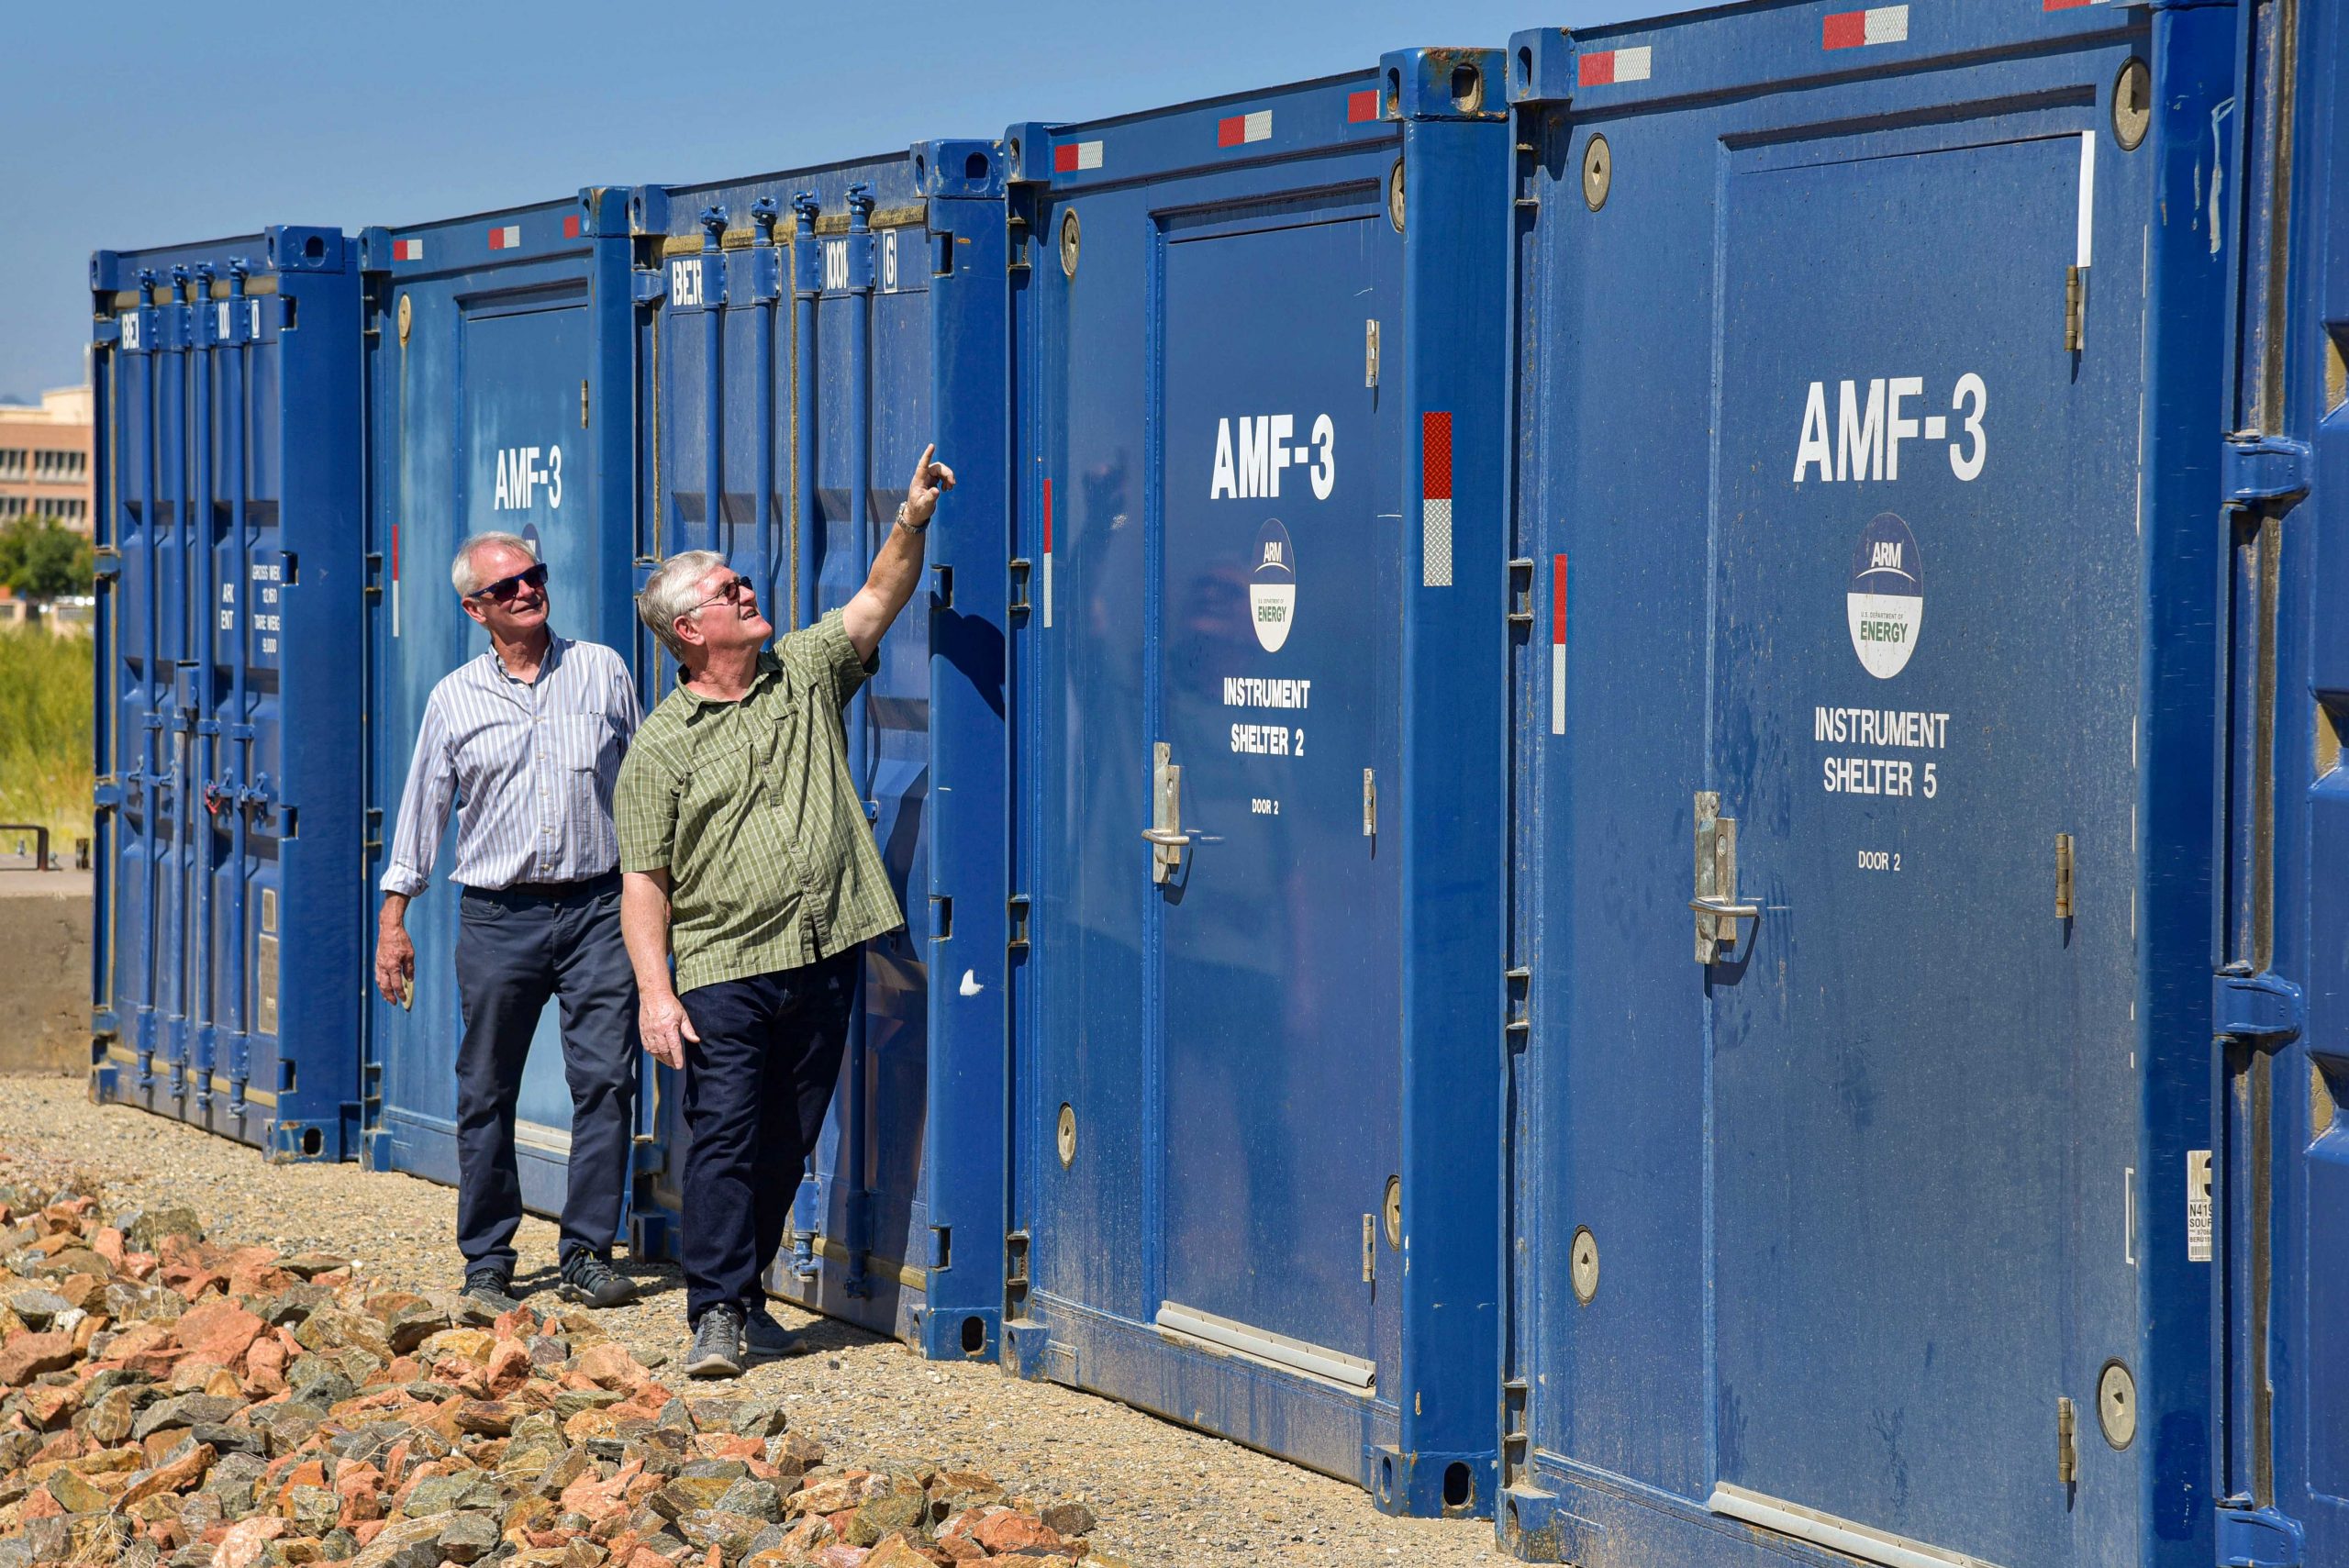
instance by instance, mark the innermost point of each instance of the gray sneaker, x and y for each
(490, 1288)
(588, 1278)
(717, 1344)
(764, 1338)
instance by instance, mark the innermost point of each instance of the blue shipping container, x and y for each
(805, 335)
(1256, 666)
(500, 396)
(227, 382)
(1863, 1159)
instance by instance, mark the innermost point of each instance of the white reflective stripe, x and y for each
(1837, 1534)
(1632, 64)
(1886, 24)
(1089, 155)
(1435, 544)
(1257, 127)
(1047, 588)
(1350, 1373)
(1557, 688)
(2087, 195)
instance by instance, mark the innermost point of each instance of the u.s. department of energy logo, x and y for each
(1886, 598)
(1272, 586)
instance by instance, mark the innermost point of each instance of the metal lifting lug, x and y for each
(2264, 1010)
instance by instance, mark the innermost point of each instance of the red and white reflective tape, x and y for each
(396, 576)
(1855, 29)
(1603, 67)
(1362, 106)
(1234, 129)
(1435, 500)
(1044, 586)
(571, 227)
(508, 236)
(1558, 646)
(1071, 157)
(407, 249)
(2071, 4)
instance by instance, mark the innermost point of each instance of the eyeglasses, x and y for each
(732, 591)
(505, 590)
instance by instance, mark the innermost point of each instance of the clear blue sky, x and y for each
(130, 124)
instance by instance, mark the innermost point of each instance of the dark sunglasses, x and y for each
(505, 590)
(731, 591)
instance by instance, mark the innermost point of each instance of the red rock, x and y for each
(242, 1545)
(264, 1367)
(308, 1473)
(176, 1477)
(39, 1505)
(518, 1324)
(642, 1557)
(596, 1499)
(217, 1331)
(27, 1356)
(1006, 1532)
(107, 1244)
(139, 1266)
(365, 1534)
(609, 1365)
(49, 1406)
(510, 1367)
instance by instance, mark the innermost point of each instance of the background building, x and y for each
(45, 459)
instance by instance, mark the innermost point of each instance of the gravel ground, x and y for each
(1167, 1496)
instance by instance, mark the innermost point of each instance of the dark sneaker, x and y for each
(492, 1289)
(764, 1338)
(588, 1278)
(717, 1344)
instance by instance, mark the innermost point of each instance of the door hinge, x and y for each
(1369, 1252)
(583, 403)
(1014, 911)
(2259, 470)
(2067, 1448)
(2076, 284)
(1369, 804)
(1370, 354)
(1019, 605)
(2265, 1009)
(2258, 1538)
(2063, 876)
(1519, 1005)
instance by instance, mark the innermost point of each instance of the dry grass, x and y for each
(45, 774)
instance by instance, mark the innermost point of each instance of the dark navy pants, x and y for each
(756, 1086)
(514, 950)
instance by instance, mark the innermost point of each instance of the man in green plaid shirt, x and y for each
(744, 848)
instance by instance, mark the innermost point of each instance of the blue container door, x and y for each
(1833, 1223)
(230, 549)
(1209, 1106)
(1919, 688)
(1273, 674)
(496, 408)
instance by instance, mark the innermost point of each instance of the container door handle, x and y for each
(1167, 840)
(1715, 903)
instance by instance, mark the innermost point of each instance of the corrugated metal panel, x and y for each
(495, 339)
(227, 387)
(807, 334)
(1867, 943)
(1259, 551)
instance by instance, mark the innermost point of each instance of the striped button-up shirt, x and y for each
(530, 767)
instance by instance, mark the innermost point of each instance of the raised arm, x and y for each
(896, 570)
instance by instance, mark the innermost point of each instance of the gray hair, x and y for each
(461, 571)
(673, 590)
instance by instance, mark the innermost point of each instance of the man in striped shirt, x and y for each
(526, 742)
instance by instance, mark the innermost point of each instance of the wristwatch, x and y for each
(907, 522)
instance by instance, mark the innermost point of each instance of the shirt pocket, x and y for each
(582, 741)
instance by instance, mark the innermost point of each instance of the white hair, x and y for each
(461, 571)
(673, 589)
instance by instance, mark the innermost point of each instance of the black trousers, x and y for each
(515, 951)
(757, 1084)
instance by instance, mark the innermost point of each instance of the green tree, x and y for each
(40, 558)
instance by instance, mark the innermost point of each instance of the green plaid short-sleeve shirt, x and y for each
(749, 809)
